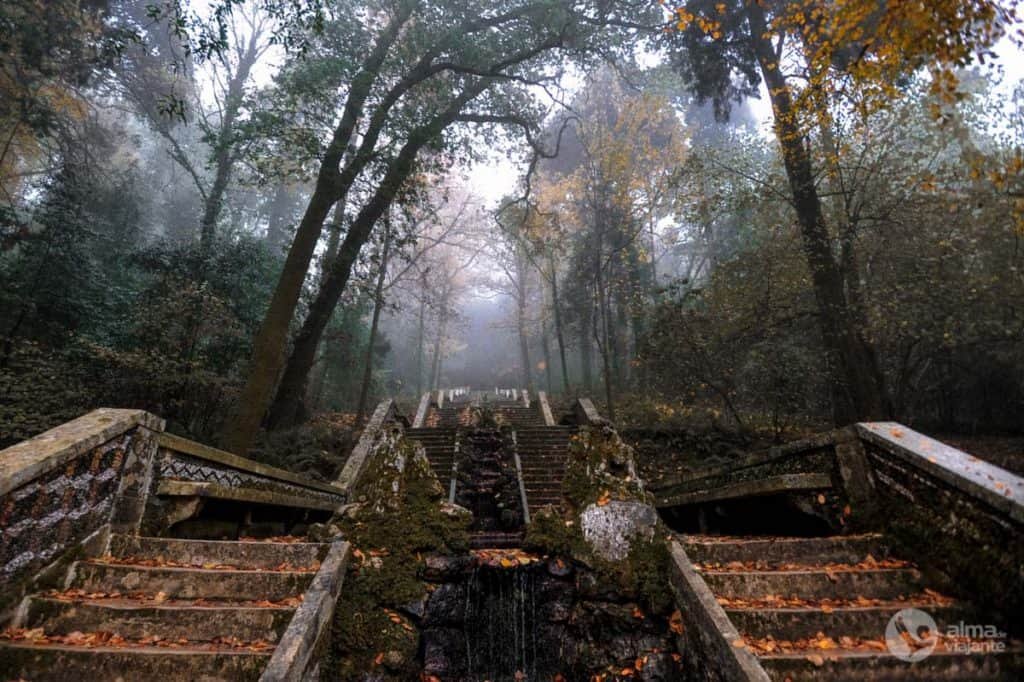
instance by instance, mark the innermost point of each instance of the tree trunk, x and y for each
(556, 309)
(586, 348)
(269, 346)
(277, 215)
(419, 334)
(223, 158)
(526, 371)
(603, 313)
(856, 369)
(378, 302)
(435, 372)
(286, 409)
(546, 350)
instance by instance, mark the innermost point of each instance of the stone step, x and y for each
(815, 583)
(64, 663)
(255, 554)
(496, 539)
(190, 583)
(533, 440)
(856, 666)
(135, 619)
(868, 622)
(442, 467)
(836, 549)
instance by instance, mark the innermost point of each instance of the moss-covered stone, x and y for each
(397, 521)
(601, 468)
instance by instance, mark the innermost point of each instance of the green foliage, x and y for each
(935, 261)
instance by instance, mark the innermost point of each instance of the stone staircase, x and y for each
(157, 608)
(439, 444)
(818, 608)
(521, 417)
(543, 451)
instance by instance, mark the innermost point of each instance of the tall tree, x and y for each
(425, 64)
(724, 49)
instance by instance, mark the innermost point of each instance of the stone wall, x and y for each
(959, 518)
(63, 487)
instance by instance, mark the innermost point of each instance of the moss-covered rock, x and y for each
(398, 518)
(601, 473)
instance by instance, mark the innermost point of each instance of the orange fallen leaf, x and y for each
(675, 622)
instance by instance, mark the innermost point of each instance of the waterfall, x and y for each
(501, 626)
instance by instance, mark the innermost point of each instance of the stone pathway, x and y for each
(818, 608)
(542, 454)
(156, 608)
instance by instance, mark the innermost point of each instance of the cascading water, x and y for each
(502, 640)
(498, 632)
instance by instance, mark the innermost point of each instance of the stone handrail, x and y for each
(972, 477)
(523, 499)
(304, 644)
(228, 460)
(711, 636)
(364, 449)
(421, 411)
(67, 487)
(830, 461)
(958, 517)
(586, 413)
(545, 408)
(189, 471)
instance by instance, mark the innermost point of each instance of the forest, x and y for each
(511, 341)
(756, 218)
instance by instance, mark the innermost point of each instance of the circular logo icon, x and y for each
(911, 635)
